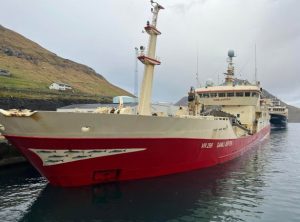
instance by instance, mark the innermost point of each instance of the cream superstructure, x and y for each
(277, 108)
(242, 100)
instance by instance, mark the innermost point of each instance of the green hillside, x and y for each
(31, 69)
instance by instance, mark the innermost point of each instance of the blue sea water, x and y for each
(262, 185)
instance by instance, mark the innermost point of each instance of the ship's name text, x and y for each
(221, 144)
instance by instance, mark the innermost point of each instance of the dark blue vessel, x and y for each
(278, 114)
(278, 120)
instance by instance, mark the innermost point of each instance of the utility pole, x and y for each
(197, 74)
(255, 71)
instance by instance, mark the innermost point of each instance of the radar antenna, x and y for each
(230, 70)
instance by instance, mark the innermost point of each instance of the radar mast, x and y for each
(230, 70)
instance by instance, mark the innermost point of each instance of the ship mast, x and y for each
(149, 61)
(136, 76)
(230, 70)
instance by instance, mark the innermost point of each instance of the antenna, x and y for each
(197, 73)
(255, 71)
(136, 77)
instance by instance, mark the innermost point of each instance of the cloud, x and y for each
(103, 35)
(184, 6)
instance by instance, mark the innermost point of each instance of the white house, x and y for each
(60, 86)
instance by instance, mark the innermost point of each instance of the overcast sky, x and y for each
(103, 34)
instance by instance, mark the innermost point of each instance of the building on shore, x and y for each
(60, 86)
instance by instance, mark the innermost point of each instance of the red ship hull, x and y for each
(161, 156)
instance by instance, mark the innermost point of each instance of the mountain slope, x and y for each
(30, 66)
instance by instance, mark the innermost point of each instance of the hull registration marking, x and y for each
(221, 144)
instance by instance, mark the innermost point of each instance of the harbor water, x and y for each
(262, 185)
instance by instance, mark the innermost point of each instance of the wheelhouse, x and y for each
(228, 95)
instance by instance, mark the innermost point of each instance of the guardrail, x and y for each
(204, 117)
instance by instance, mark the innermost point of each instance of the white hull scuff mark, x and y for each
(60, 156)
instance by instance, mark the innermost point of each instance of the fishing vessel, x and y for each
(279, 114)
(82, 148)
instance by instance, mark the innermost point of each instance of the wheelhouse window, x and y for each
(201, 95)
(254, 94)
(239, 94)
(247, 94)
(205, 95)
(230, 94)
(213, 95)
(221, 94)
